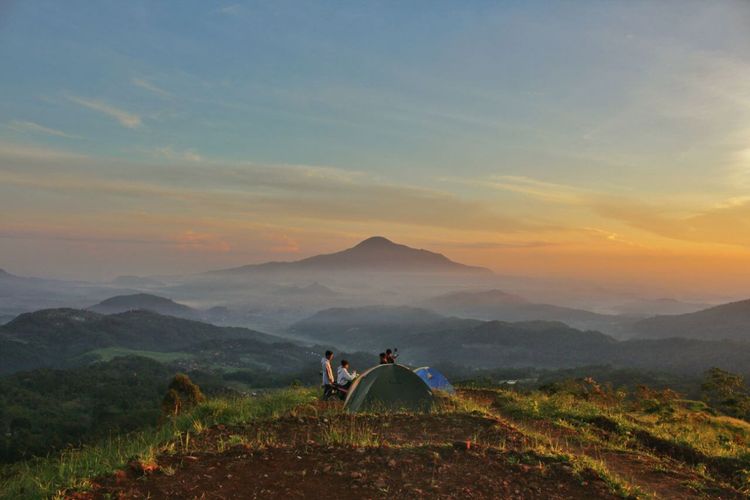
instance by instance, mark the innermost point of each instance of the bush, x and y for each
(182, 394)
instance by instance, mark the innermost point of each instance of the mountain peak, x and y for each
(375, 254)
(375, 242)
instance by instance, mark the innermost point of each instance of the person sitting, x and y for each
(390, 357)
(383, 359)
(345, 378)
(328, 380)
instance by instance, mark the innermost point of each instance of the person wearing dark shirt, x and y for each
(390, 357)
(383, 359)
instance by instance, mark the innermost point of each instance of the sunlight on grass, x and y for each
(350, 431)
(708, 434)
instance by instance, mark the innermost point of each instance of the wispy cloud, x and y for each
(492, 245)
(126, 118)
(29, 155)
(23, 126)
(145, 84)
(546, 191)
(296, 193)
(230, 10)
(170, 153)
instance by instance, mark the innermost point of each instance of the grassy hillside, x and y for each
(574, 442)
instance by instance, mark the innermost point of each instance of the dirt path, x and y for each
(654, 475)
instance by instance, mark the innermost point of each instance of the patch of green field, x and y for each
(51, 477)
(109, 353)
(714, 436)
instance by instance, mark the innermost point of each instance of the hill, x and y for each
(146, 302)
(314, 289)
(727, 321)
(500, 305)
(59, 337)
(481, 443)
(425, 337)
(655, 307)
(373, 327)
(373, 254)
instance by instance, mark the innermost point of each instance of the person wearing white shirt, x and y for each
(328, 379)
(345, 377)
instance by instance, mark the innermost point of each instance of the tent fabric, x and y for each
(390, 387)
(433, 378)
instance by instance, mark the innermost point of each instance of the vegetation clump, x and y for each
(182, 394)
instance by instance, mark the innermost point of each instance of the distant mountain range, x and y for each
(653, 307)
(727, 321)
(500, 305)
(373, 254)
(426, 337)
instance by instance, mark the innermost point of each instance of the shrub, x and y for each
(182, 394)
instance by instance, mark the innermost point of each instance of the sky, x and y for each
(597, 140)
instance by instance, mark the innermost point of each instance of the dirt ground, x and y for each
(318, 452)
(417, 456)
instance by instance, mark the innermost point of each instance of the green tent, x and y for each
(389, 387)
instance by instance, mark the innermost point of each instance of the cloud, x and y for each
(22, 126)
(28, 155)
(126, 119)
(169, 153)
(545, 191)
(230, 10)
(494, 245)
(299, 194)
(726, 224)
(145, 84)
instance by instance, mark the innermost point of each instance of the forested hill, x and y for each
(54, 337)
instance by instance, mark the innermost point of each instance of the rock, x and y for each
(381, 483)
(392, 463)
(355, 475)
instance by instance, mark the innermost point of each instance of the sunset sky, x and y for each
(599, 140)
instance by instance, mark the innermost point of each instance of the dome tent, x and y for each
(433, 378)
(389, 387)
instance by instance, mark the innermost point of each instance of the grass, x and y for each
(348, 430)
(683, 425)
(73, 469)
(686, 423)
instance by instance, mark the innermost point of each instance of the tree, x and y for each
(181, 395)
(727, 392)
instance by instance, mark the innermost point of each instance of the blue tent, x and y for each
(434, 379)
